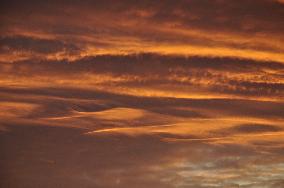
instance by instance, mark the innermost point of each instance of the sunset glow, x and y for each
(142, 94)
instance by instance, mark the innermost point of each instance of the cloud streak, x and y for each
(183, 28)
(195, 77)
(142, 94)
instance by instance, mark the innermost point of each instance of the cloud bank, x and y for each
(111, 94)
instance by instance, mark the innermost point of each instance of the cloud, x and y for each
(205, 14)
(141, 94)
(250, 128)
(44, 46)
(183, 27)
(73, 98)
(254, 128)
(47, 151)
(23, 47)
(167, 76)
(39, 153)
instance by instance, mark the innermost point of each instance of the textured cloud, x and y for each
(155, 75)
(182, 94)
(44, 46)
(72, 137)
(241, 29)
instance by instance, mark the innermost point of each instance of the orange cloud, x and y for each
(186, 93)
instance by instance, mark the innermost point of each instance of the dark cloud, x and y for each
(35, 45)
(250, 128)
(42, 152)
(245, 15)
(160, 64)
(38, 155)
(255, 128)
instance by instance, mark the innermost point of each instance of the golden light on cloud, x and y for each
(142, 94)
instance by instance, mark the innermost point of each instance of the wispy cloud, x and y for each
(206, 28)
(142, 94)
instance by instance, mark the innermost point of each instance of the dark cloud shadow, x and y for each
(255, 128)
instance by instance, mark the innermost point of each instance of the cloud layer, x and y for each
(243, 29)
(182, 94)
(142, 120)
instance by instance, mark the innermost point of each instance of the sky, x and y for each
(162, 94)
